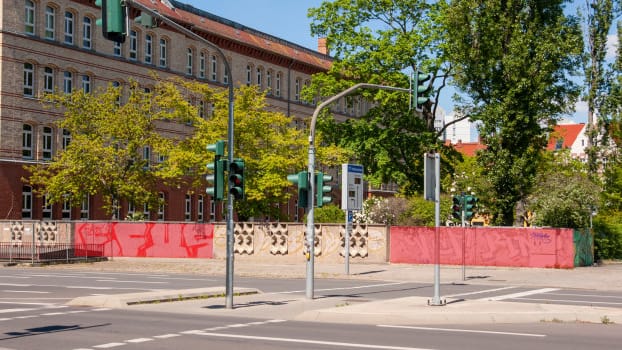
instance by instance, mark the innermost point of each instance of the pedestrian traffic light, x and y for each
(301, 179)
(218, 171)
(236, 178)
(321, 189)
(470, 203)
(456, 208)
(113, 20)
(420, 91)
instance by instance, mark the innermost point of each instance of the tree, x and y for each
(564, 194)
(513, 60)
(376, 42)
(266, 140)
(105, 155)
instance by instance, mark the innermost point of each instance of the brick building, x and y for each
(55, 44)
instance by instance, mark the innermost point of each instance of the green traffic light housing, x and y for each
(470, 204)
(236, 178)
(321, 189)
(420, 91)
(301, 179)
(218, 167)
(113, 19)
(456, 208)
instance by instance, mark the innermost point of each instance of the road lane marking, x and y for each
(166, 336)
(343, 288)
(521, 294)
(478, 292)
(137, 282)
(463, 331)
(572, 301)
(138, 340)
(587, 295)
(25, 291)
(108, 345)
(310, 341)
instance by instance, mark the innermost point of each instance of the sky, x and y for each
(287, 19)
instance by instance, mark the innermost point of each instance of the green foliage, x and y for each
(328, 214)
(564, 194)
(608, 236)
(514, 62)
(105, 155)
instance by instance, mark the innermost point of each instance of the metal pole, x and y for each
(230, 232)
(463, 205)
(311, 170)
(347, 239)
(437, 234)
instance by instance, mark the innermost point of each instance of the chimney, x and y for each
(321, 46)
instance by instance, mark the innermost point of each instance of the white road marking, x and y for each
(166, 336)
(108, 345)
(587, 295)
(478, 292)
(193, 331)
(309, 341)
(53, 314)
(25, 291)
(15, 285)
(239, 325)
(463, 331)
(138, 340)
(571, 301)
(6, 311)
(522, 294)
(138, 282)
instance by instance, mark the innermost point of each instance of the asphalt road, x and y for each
(33, 315)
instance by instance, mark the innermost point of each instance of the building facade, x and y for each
(48, 45)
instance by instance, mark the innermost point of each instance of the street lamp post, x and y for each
(193, 35)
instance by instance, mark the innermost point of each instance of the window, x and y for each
(259, 77)
(29, 76)
(212, 211)
(86, 84)
(225, 76)
(188, 207)
(189, 55)
(133, 45)
(214, 76)
(249, 72)
(146, 156)
(269, 81)
(27, 141)
(48, 79)
(148, 48)
(131, 208)
(116, 49)
(29, 17)
(50, 18)
(66, 210)
(163, 62)
(69, 28)
(46, 144)
(47, 208)
(67, 82)
(116, 84)
(200, 209)
(146, 213)
(87, 35)
(84, 208)
(66, 139)
(202, 65)
(161, 201)
(26, 202)
(297, 90)
(277, 88)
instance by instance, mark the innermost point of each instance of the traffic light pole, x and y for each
(310, 236)
(193, 35)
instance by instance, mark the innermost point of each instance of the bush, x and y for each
(608, 236)
(328, 214)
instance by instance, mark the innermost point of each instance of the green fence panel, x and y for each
(584, 247)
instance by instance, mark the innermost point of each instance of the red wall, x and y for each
(148, 239)
(519, 247)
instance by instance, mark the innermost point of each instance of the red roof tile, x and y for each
(567, 133)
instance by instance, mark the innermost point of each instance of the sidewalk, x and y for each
(401, 311)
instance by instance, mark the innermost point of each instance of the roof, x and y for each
(204, 21)
(564, 135)
(468, 148)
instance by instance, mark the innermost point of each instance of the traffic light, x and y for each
(320, 179)
(217, 177)
(470, 203)
(302, 180)
(236, 178)
(146, 20)
(420, 91)
(456, 208)
(113, 20)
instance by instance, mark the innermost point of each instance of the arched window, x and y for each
(47, 142)
(50, 23)
(27, 141)
(29, 79)
(87, 33)
(148, 49)
(26, 202)
(133, 45)
(48, 79)
(29, 17)
(163, 58)
(189, 57)
(69, 28)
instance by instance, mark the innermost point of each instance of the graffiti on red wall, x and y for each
(148, 239)
(520, 247)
